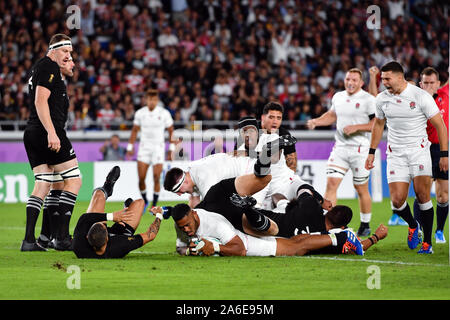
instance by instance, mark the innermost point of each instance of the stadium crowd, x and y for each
(213, 59)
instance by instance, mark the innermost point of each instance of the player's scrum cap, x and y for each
(60, 44)
(247, 121)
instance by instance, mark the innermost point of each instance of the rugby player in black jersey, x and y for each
(49, 151)
(93, 239)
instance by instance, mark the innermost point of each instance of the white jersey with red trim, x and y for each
(406, 115)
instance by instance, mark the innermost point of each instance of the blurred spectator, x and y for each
(239, 54)
(112, 151)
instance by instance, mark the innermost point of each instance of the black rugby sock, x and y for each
(257, 220)
(34, 205)
(66, 204)
(441, 215)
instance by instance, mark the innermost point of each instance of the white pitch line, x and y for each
(334, 259)
(375, 261)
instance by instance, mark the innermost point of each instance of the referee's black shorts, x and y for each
(36, 146)
(435, 157)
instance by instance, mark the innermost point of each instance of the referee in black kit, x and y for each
(49, 151)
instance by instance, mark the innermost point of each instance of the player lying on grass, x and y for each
(228, 241)
(204, 173)
(93, 239)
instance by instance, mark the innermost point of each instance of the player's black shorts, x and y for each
(435, 157)
(217, 200)
(36, 146)
(120, 229)
(303, 215)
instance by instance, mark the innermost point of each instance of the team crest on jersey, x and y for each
(357, 105)
(421, 167)
(412, 105)
(51, 78)
(392, 172)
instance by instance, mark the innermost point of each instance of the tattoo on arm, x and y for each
(291, 161)
(153, 229)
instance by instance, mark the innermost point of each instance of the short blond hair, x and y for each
(356, 70)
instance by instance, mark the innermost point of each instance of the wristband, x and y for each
(216, 246)
(443, 154)
(372, 151)
(159, 216)
(130, 147)
(110, 216)
(371, 240)
(172, 147)
(376, 237)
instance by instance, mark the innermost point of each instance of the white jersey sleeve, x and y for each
(212, 169)
(215, 225)
(167, 119)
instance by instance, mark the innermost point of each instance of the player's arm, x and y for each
(291, 161)
(43, 112)
(172, 143)
(380, 234)
(377, 134)
(441, 129)
(152, 231)
(365, 127)
(234, 247)
(326, 119)
(373, 88)
(132, 140)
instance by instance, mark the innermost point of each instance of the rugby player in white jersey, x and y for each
(152, 120)
(405, 109)
(353, 110)
(215, 235)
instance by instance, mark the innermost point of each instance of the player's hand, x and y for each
(443, 164)
(155, 210)
(381, 232)
(311, 124)
(53, 142)
(207, 248)
(191, 251)
(327, 205)
(118, 215)
(349, 130)
(369, 162)
(125, 215)
(373, 71)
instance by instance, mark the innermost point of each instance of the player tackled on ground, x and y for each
(93, 239)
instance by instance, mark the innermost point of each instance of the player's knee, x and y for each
(398, 204)
(423, 197)
(360, 181)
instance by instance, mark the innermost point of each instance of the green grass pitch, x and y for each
(389, 270)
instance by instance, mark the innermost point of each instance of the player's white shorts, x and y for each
(403, 164)
(151, 154)
(349, 157)
(259, 247)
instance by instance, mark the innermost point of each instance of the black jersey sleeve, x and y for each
(45, 75)
(120, 245)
